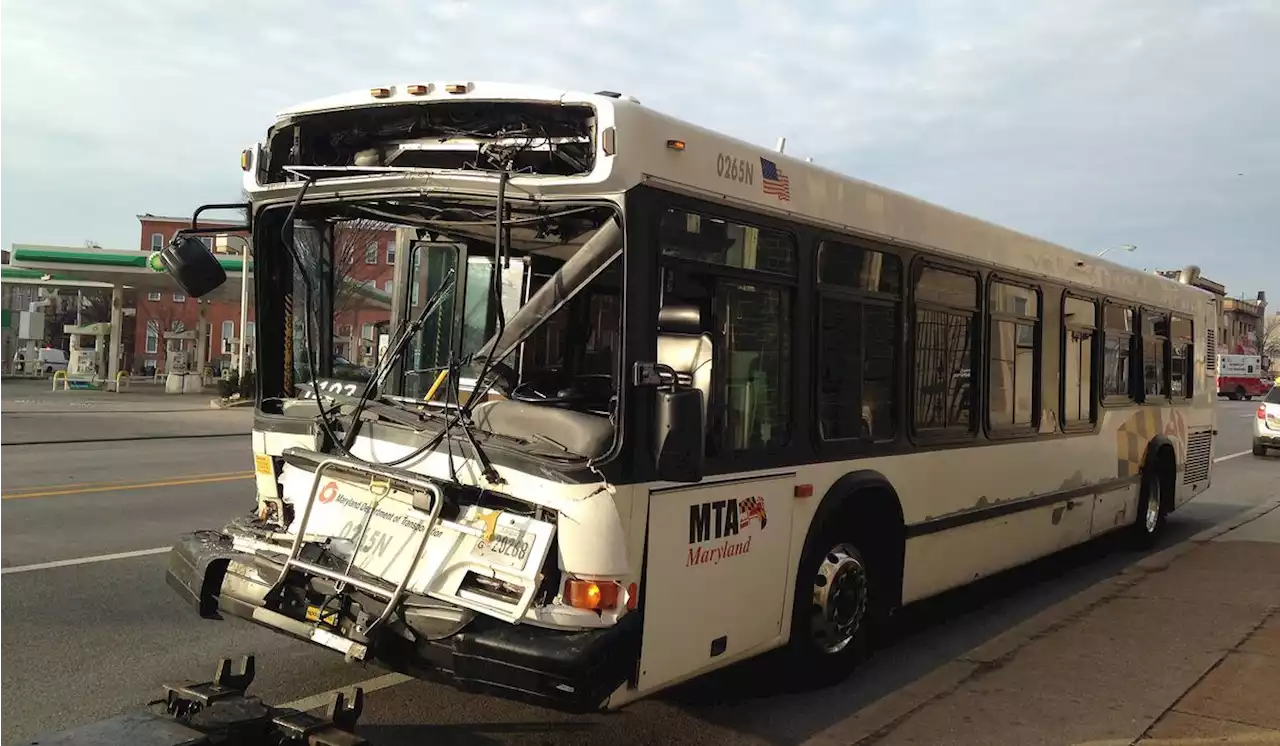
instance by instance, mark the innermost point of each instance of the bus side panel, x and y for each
(940, 561)
(1115, 509)
(717, 575)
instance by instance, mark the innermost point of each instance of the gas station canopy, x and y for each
(69, 266)
(73, 266)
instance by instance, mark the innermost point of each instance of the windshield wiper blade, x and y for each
(394, 354)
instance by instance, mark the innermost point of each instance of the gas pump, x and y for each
(87, 362)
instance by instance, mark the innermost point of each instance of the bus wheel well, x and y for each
(873, 514)
(1165, 467)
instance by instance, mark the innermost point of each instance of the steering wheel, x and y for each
(555, 390)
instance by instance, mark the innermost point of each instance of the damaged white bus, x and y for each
(656, 400)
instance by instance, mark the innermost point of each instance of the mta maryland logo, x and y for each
(726, 522)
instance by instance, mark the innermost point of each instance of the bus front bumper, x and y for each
(572, 671)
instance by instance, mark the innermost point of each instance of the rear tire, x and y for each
(1259, 449)
(1152, 512)
(834, 607)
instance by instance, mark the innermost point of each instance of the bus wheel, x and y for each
(830, 621)
(1151, 510)
(839, 599)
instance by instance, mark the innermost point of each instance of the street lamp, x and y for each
(1121, 247)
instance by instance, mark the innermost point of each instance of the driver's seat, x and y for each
(686, 348)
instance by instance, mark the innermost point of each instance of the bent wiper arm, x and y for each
(402, 341)
(486, 466)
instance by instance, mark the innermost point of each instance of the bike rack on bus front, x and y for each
(421, 485)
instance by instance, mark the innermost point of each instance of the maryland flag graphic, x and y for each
(751, 508)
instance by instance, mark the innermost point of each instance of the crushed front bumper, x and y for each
(567, 671)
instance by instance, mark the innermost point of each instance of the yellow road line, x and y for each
(51, 491)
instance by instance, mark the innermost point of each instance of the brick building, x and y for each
(160, 312)
(1244, 323)
(365, 256)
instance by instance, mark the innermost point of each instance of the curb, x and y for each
(880, 717)
(223, 404)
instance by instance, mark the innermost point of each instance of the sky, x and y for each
(1091, 123)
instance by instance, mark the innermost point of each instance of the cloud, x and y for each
(1088, 122)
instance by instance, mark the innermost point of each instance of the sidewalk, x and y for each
(1181, 649)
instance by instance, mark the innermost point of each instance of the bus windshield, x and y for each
(537, 314)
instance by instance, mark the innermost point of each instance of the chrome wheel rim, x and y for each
(839, 599)
(1152, 516)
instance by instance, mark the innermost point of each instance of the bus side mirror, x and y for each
(679, 447)
(193, 266)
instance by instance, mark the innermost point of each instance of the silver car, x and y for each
(1266, 426)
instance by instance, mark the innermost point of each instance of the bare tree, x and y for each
(96, 306)
(351, 240)
(163, 317)
(1269, 336)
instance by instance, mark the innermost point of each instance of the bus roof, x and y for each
(655, 148)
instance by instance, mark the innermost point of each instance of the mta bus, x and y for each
(654, 400)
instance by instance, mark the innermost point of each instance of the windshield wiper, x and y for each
(405, 334)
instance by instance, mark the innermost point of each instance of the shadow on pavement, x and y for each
(750, 697)
(477, 734)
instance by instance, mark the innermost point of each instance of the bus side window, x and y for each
(1182, 357)
(741, 278)
(1117, 353)
(859, 293)
(756, 414)
(946, 312)
(1080, 332)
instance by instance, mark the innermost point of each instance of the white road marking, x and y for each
(316, 701)
(82, 560)
(1230, 456)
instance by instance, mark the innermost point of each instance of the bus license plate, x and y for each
(509, 546)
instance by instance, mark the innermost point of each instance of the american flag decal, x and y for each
(750, 508)
(775, 182)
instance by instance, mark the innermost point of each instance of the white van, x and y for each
(46, 361)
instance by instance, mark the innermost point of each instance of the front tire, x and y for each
(833, 609)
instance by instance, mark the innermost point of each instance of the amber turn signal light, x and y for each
(590, 594)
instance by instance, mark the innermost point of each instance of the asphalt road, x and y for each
(91, 640)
